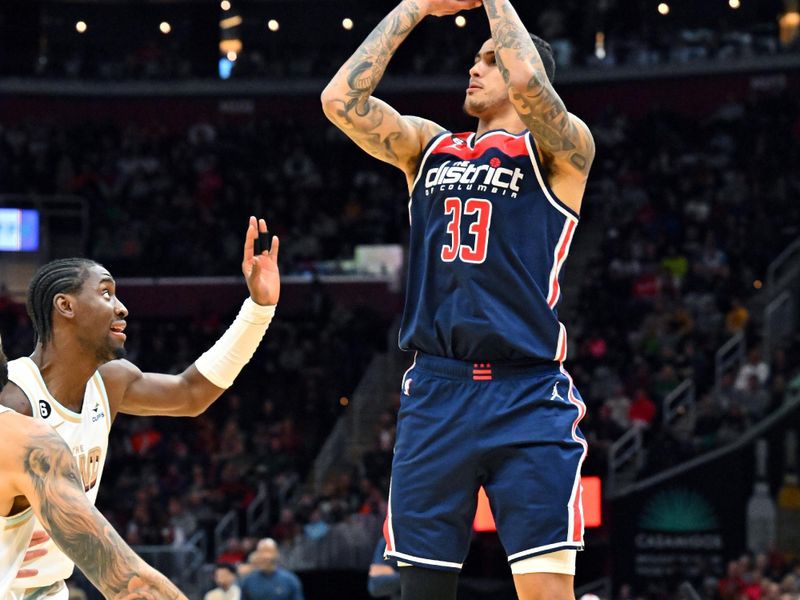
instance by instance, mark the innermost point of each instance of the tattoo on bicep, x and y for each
(80, 530)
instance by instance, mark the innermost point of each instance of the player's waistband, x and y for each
(483, 371)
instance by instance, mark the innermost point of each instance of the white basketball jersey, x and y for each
(87, 436)
(15, 533)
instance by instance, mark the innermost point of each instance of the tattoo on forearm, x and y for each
(374, 125)
(82, 532)
(537, 103)
(367, 66)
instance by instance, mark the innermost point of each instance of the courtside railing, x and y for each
(784, 269)
(625, 456)
(183, 564)
(679, 402)
(258, 511)
(730, 357)
(226, 529)
(779, 322)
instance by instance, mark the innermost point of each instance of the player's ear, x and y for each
(64, 305)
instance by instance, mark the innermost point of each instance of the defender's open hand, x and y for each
(261, 270)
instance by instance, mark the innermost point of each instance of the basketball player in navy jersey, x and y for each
(487, 401)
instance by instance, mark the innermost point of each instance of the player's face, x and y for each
(100, 316)
(487, 91)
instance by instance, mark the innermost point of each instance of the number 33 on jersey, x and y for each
(488, 240)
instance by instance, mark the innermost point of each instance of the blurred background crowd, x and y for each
(684, 213)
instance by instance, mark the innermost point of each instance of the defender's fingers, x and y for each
(276, 244)
(264, 241)
(250, 236)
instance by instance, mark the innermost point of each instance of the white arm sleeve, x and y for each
(221, 363)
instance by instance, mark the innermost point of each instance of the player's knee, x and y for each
(427, 584)
(544, 586)
(546, 577)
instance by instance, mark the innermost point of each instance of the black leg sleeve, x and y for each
(427, 584)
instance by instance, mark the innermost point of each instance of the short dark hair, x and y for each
(62, 276)
(546, 54)
(226, 566)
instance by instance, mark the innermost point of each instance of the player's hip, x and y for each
(487, 405)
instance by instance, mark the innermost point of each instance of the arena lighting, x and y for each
(792, 19)
(789, 27)
(273, 25)
(230, 22)
(600, 45)
(165, 27)
(347, 24)
(591, 498)
(225, 5)
(461, 20)
(663, 8)
(232, 45)
(734, 4)
(80, 27)
(232, 56)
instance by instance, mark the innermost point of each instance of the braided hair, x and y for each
(62, 276)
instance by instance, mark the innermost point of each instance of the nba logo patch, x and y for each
(407, 387)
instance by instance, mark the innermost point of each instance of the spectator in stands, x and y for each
(737, 317)
(755, 365)
(286, 528)
(619, 407)
(268, 581)
(384, 580)
(225, 578)
(643, 409)
(755, 399)
(182, 524)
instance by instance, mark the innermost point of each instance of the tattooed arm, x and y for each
(371, 123)
(44, 470)
(563, 139)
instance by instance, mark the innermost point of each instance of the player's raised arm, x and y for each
(43, 469)
(371, 123)
(190, 393)
(562, 138)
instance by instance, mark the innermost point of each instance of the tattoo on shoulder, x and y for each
(80, 530)
(538, 105)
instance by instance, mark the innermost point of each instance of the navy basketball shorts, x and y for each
(511, 428)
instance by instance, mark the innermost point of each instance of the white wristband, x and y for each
(221, 363)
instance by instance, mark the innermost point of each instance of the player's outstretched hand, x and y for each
(38, 537)
(443, 8)
(261, 270)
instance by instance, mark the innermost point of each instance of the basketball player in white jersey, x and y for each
(76, 382)
(36, 464)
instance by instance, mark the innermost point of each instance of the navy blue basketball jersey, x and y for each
(488, 241)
